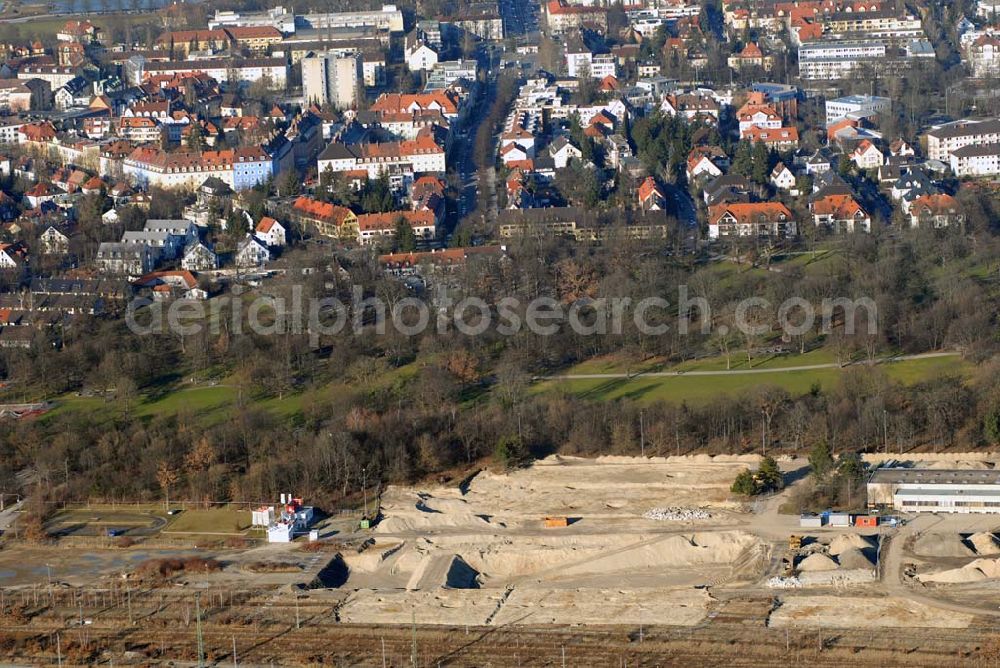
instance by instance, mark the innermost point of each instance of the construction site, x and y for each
(602, 562)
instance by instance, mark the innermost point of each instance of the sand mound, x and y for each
(941, 545)
(848, 541)
(954, 576)
(984, 543)
(989, 567)
(948, 465)
(817, 562)
(854, 559)
(974, 571)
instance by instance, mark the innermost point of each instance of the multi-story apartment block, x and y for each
(332, 79)
(944, 139)
(421, 155)
(239, 168)
(226, 70)
(976, 160)
(562, 17)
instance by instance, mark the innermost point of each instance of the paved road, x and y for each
(737, 372)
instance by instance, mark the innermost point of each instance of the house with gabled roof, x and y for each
(252, 252)
(562, 151)
(199, 256)
(782, 178)
(750, 219)
(940, 210)
(651, 197)
(840, 213)
(867, 155)
(271, 232)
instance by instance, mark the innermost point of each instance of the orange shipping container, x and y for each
(865, 521)
(556, 522)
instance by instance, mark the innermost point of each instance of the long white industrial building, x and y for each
(935, 490)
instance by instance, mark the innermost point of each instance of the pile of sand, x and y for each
(974, 571)
(817, 562)
(948, 465)
(849, 541)
(984, 543)
(941, 545)
(854, 559)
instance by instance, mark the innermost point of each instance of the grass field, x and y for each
(210, 521)
(701, 389)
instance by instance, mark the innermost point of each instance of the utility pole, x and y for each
(234, 652)
(58, 650)
(201, 641)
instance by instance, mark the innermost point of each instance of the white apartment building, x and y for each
(852, 104)
(836, 60)
(976, 160)
(598, 66)
(225, 70)
(944, 139)
(421, 155)
(331, 78)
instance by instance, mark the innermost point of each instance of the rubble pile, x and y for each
(676, 514)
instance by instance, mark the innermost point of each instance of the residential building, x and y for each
(233, 71)
(419, 56)
(867, 156)
(239, 168)
(251, 252)
(840, 213)
(199, 257)
(328, 219)
(562, 152)
(271, 232)
(53, 242)
(780, 139)
(332, 79)
(782, 178)
(938, 210)
(562, 17)
(976, 160)
(15, 96)
(376, 227)
(125, 259)
(421, 155)
(651, 197)
(747, 219)
(751, 56)
(944, 139)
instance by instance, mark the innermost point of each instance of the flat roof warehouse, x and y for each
(930, 490)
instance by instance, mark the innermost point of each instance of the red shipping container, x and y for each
(865, 521)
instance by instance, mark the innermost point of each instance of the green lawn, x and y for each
(210, 521)
(701, 389)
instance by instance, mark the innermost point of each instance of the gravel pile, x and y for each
(784, 583)
(673, 514)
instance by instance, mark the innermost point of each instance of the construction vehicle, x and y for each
(794, 542)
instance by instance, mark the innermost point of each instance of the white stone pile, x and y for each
(676, 514)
